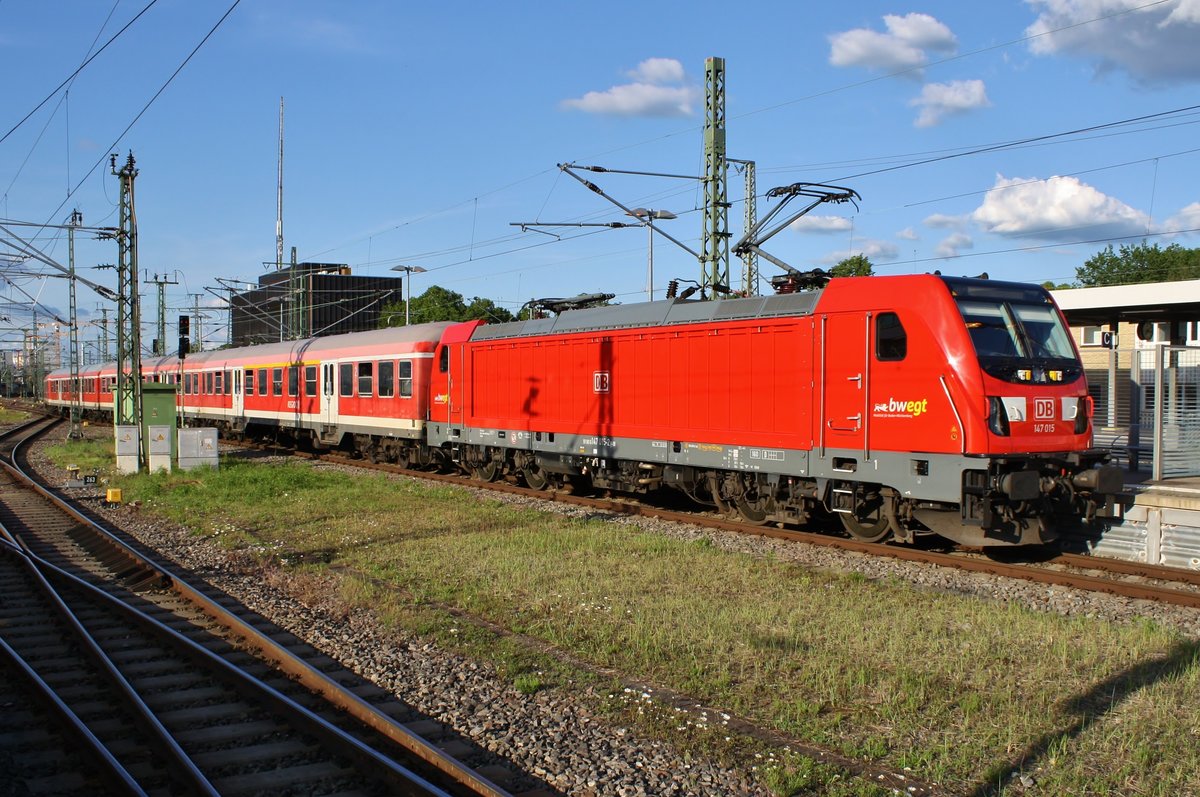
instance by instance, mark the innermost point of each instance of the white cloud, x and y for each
(636, 99)
(940, 221)
(1185, 11)
(821, 224)
(953, 244)
(657, 70)
(1186, 219)
(908, 234)
(903, 47)
(939, 100)
(874, 250)
(646, 96)
(1057, 208)
(1154, 43)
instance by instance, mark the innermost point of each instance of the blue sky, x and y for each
(418, 133)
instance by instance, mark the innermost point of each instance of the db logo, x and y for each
(1043, 409)
(600, 381)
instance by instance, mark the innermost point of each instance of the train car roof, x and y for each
(665, 312)
(294, 350)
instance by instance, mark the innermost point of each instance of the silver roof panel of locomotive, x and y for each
(666, 312)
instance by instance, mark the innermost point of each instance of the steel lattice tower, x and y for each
(128, 398)
(714, 252)
(749, 257)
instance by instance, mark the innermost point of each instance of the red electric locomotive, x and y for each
(902, 405)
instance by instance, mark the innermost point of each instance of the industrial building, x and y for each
(310, 300)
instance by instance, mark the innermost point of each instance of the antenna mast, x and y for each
(279, 198)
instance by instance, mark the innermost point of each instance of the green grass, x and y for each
(9, 417)
(88, 454)
(959, 690)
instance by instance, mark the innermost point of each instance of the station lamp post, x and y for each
(409, 270)
(648, 216)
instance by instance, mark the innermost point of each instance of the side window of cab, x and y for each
(891, 341)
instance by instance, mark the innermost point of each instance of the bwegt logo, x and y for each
(912, 409)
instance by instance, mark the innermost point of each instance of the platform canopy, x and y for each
(1148, 301)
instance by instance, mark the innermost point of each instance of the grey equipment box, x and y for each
(198, 448)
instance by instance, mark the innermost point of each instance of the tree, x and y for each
(854, 266)
(1051, 285)
(440, 304)
(487, 310)
(1142, 262)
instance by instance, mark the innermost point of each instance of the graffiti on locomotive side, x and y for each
(901, 408)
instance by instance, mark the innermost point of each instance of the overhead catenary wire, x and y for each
(116, 142)
(844, 87)
(80, 68)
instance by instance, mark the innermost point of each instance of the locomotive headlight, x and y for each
(1024, 374)
(1055, 376)
(997, 416)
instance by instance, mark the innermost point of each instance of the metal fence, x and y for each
(1159, 438)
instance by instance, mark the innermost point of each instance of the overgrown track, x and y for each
(133, 681)
(1091, 573)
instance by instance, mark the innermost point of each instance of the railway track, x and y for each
(134, 681)
(1090, 573)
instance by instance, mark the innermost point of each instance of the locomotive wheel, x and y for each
(866, 523)
(755, 512)
(536, 478)
(490, 470)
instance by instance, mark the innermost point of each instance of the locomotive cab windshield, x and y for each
(1019, 336)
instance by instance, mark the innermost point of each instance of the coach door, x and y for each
(328, 396)
(844, 410)
(237, 404)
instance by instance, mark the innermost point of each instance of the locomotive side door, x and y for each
(458, 382)
(845, 382)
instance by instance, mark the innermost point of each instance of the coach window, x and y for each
(387, 379)
(218, 383)
(276, 381)
(262, 382)
(310, 380)
(293, 380)
(406, 379)
(208, 383)
(891, 341)
(249, 383)
(346, 379)
(365, 372)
